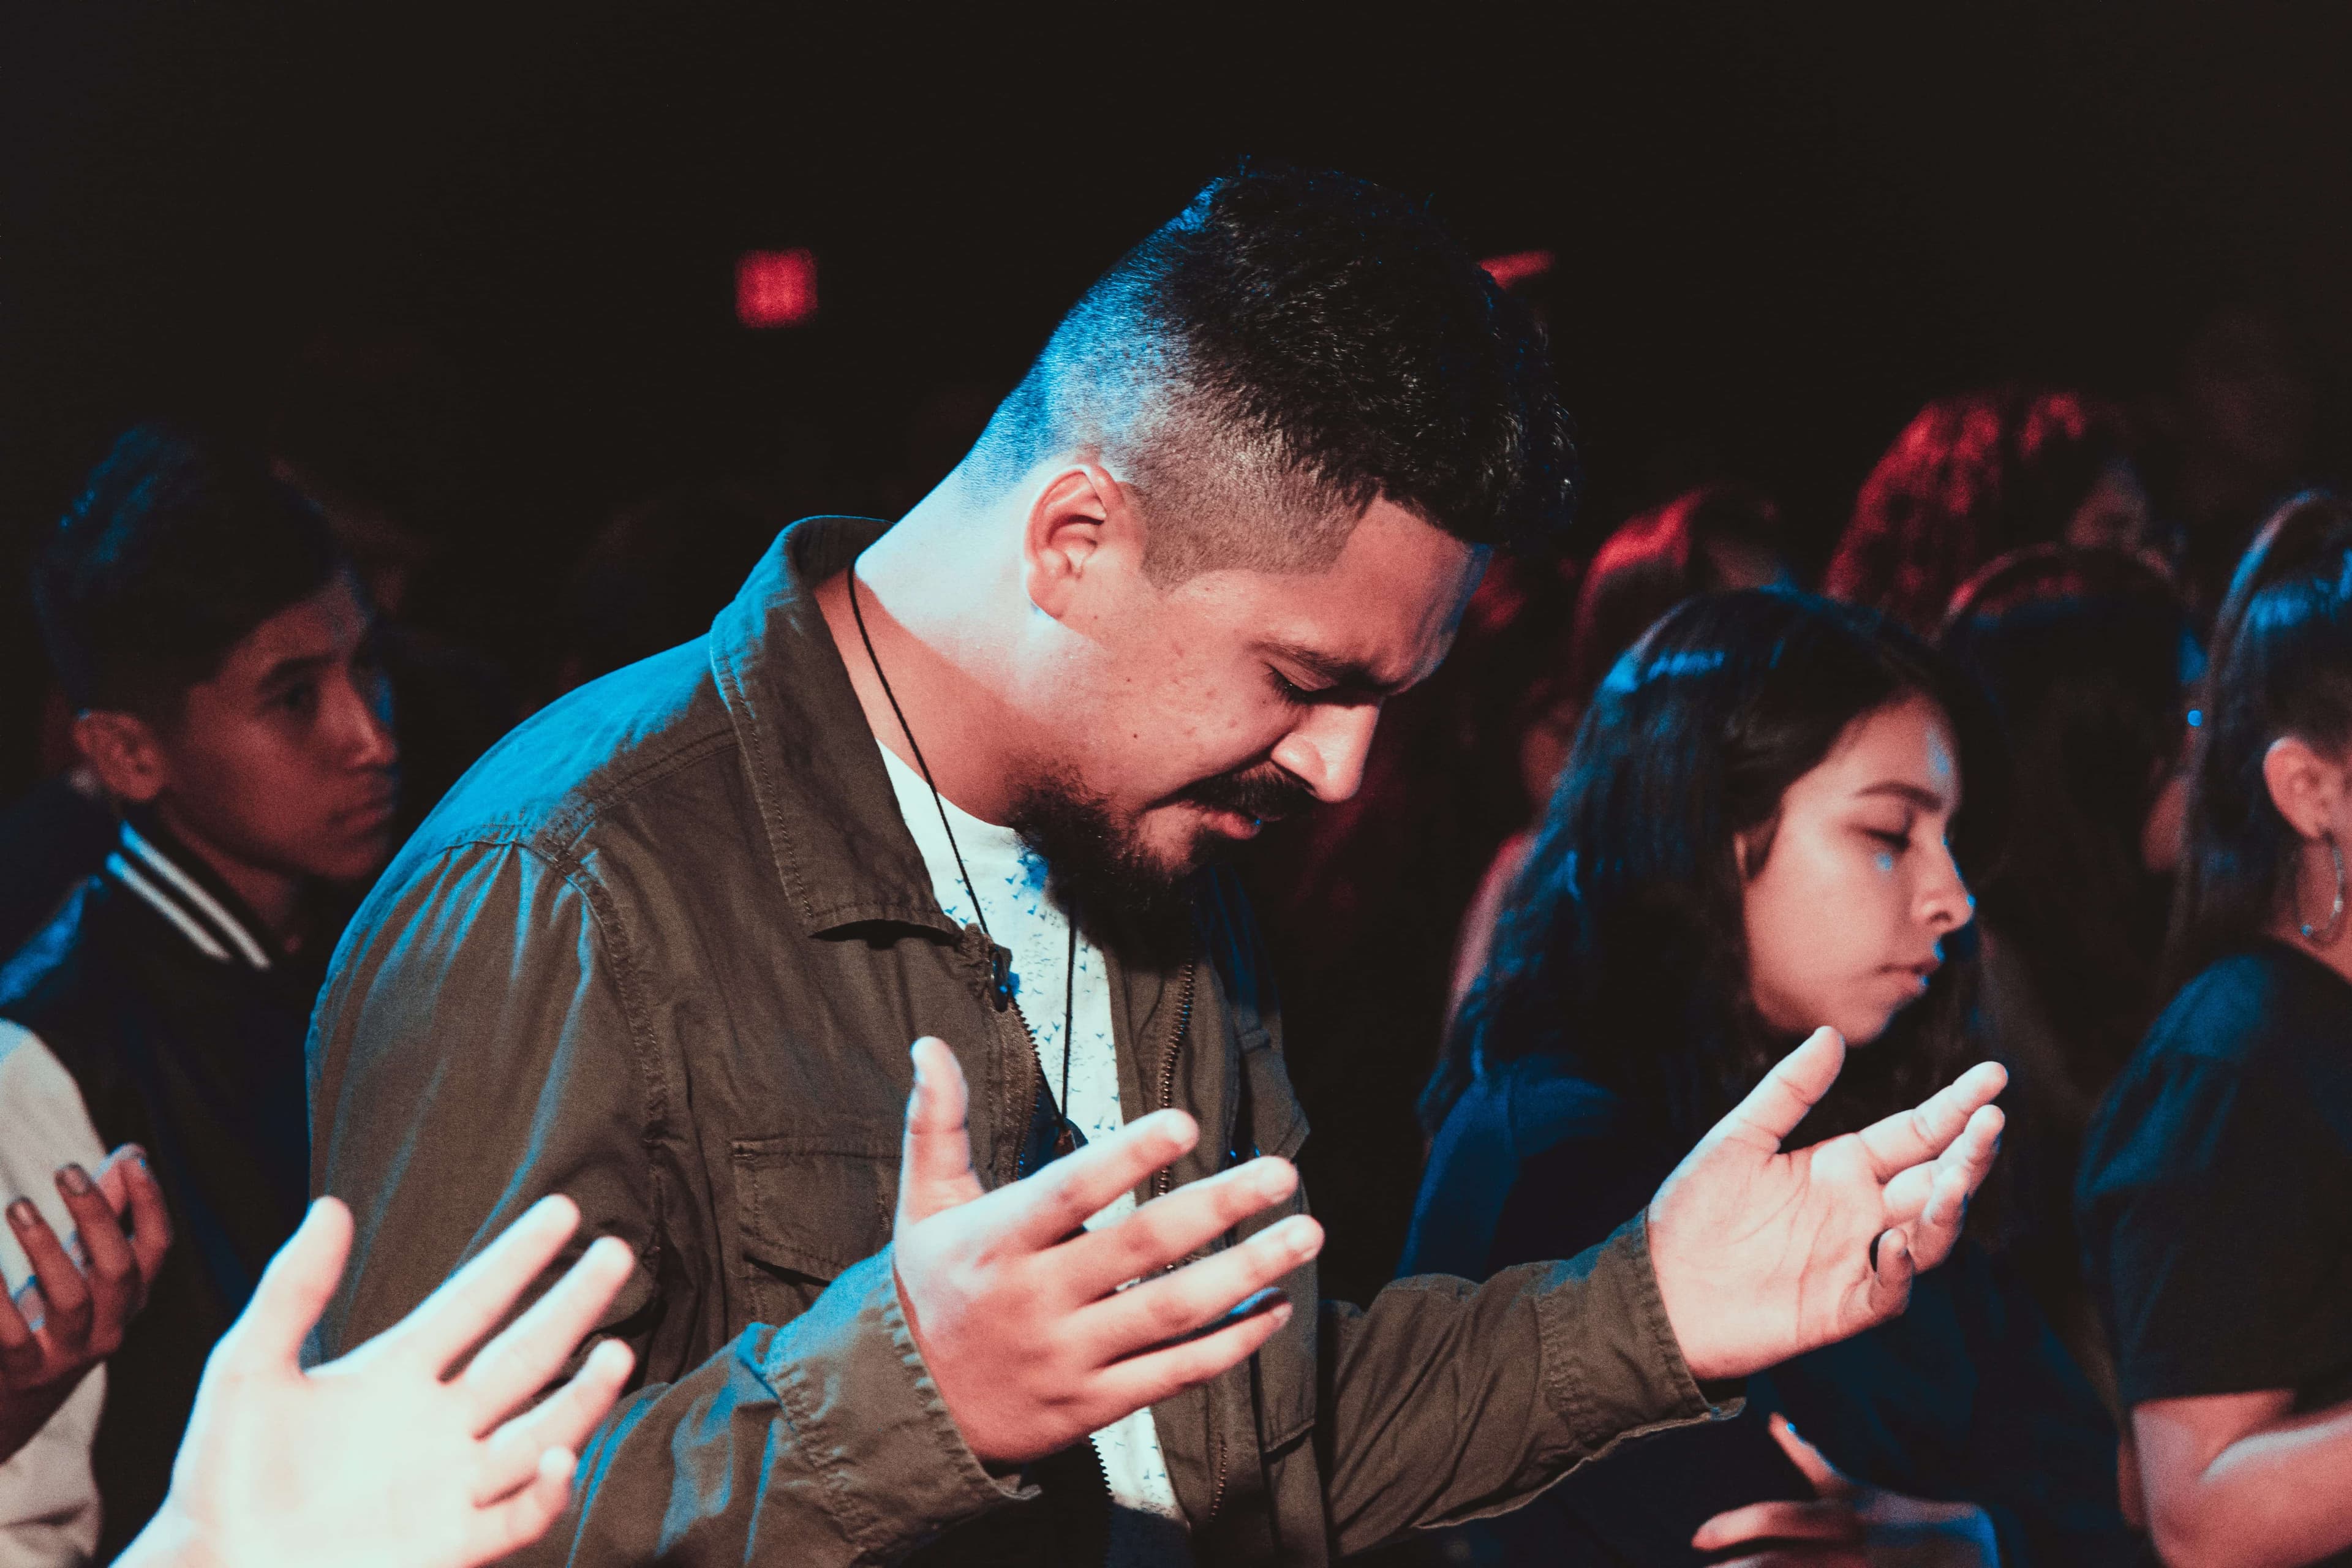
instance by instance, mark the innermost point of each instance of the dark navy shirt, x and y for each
(2215, 1200)
(1967, 1397)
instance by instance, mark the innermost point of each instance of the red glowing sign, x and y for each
(1518, 267)
(775, 287)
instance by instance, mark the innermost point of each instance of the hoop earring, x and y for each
(2326, 933)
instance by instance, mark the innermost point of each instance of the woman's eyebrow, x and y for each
(1925, 799)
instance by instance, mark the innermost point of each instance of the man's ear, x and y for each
(1079, 523)
(2305, 785)
(125, 752)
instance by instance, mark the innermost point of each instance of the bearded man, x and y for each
(1046, 1292)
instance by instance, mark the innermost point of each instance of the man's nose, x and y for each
(1326, 750)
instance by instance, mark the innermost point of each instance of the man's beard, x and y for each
(1121, 894)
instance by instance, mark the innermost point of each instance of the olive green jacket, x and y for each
(663, 950)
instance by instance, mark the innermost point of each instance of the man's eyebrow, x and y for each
(1925, 799)
(1338, 671)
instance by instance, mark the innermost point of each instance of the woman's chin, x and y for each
(1866, 1029)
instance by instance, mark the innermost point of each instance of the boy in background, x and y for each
(217, 649)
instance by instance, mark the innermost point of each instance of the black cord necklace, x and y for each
(1000, 960)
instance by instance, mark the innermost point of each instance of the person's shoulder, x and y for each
(47, 1121)
(550, 780)
(1533, 1106)
(2246, 1009)
(58, 962)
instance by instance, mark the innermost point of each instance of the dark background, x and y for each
(507, 233)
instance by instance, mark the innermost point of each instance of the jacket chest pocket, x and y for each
(808, 1206)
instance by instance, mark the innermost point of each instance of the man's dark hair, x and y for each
(173, 554)
(1290, 348)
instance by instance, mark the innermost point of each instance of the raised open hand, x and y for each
(1762, 1255)
(383, 1457)
(1848, 1525)
(84, 1291)
(1019, 1311)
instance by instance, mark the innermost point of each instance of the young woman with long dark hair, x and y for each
(2215, 1199)
(1763, 829)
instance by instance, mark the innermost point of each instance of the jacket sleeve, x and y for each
(474, 1051)
(1446, 1400)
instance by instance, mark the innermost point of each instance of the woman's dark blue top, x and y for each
(1967, 1397)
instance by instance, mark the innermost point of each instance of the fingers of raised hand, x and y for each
(1155, 1375)
(1793, 1086)
(65, 1294)
(23, 1357)
(461, 1312)
(1826, 1479)
(1049, 1206)
(131, 1191)
(1912, 1137)
(561, 1421)
(1159, 1311)
(508, 1526)
(1829, 1519)
(531, 1351)
(935, 1161)
(267, 1335)
(116, 1289)
(1168, 1229)
(1887, 1288)
(1957, 1176)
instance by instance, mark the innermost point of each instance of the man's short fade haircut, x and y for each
(173, 554)
(1290, 348)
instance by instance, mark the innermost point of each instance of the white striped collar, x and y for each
(207, 923)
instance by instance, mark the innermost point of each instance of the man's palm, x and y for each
(1762, 1255)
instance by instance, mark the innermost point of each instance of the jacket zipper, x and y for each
(1165, 1180)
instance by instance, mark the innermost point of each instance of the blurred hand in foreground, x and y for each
(382, 1458)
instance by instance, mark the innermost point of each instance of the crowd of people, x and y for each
(1699, 919)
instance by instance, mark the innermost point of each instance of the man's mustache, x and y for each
(1264, 794)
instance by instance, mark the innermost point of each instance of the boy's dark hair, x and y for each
(170, 557)
(1289, 348)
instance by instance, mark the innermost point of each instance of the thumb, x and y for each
(1826, 1479)
(1793, 1086)
(294, 1290)
(935, 1165)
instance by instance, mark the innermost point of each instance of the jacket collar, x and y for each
(834, 829)
(155, 868)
